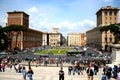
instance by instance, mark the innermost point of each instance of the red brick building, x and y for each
(82, 39)
(29, 39)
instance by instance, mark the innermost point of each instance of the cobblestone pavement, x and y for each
(45, 73)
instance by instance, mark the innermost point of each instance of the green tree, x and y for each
(14, 29)
(115, 29)
(4, 42)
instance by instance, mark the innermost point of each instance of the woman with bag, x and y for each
(90, 73)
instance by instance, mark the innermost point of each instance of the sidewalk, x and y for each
(45, 73)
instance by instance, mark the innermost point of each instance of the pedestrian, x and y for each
(37, 63)
(57, 62)
(69, 70)
(0, 68)
(16, 67)
(3, 67)
(24, 73)
(74, 70)
(118, 74)
(30, 73)
(109, 73)
(115, 71)
(103, 77)
(10, 65)
(19, 68)
(96, 69)
(90, 73)
(61, 74)
(78, 69)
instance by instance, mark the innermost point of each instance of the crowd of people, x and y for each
(4, 63)
(93, 68)
(109, 72)
(78, 68)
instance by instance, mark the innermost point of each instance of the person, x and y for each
(16, 67)
(69, 70)
(19, 68)
(3, 67)
(103, 77)
(24, 73)
(30, 73)
(118, 74)
(115, 71)
(108, 73)
(96, 69)
(37, 63)
(79, 70)
(0, 68)
(90, 73)
(61, 74)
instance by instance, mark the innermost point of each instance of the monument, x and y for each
(116, 54)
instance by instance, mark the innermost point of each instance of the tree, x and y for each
(115, 29)
(4, 42)
(12, 30)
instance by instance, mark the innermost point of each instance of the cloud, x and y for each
(3, 22)
(41, 20)
(65, 26)
(32, 10)
(108, 0)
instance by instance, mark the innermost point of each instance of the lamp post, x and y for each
(44, 43)
(2, 41)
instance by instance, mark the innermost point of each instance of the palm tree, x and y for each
(115, 29)
(14, 29)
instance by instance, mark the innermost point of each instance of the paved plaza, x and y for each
(45, 73)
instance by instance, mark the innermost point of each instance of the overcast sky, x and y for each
(67, 15)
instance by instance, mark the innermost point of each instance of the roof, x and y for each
(17, 12)
(108, 8)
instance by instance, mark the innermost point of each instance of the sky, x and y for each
(67, 15)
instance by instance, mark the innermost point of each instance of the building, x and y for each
(29, 39)
(103, 41)
(56, 38)
(45, 39)
(83, 39)
(107, 15)
(76, 39)
(94, 38)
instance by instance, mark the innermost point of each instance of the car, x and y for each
(3, 52)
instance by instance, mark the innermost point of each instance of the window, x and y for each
(19, 38)
(105, 39)
(110, 22)
(110, 13)
(110, 38)
(115, 13)
(110, 18)
(105, 18)
(18, 45)
(105, 22)
(105, 13)
(14, 38)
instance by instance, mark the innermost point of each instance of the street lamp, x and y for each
(44, 43)
(2, 41)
